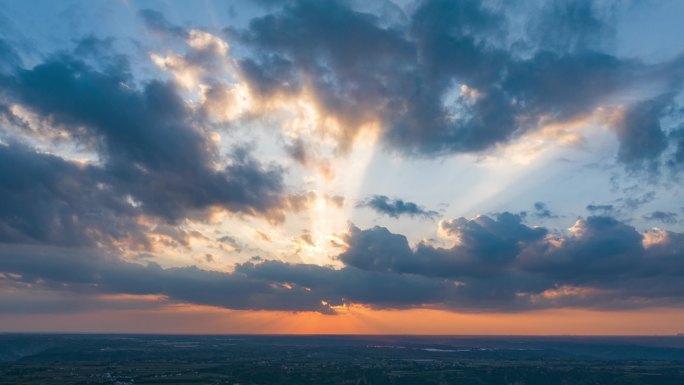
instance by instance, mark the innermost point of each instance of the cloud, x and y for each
(495, 264)
(306, 155)
(662, 216)
(496, 239)
(260, 285)
(482, 246)
(297, 150)
(231, 242)
(9, 58)
(303, 48)
(446, 81)
(500, 263)
(640, 133)
(396, 207)
(633, 202)
(45, 199)
(621, 206)
(443, 79)
(94, 272)
(571, 26)
(601, 209)
(542, 211)
(377, 249)
(157, 23)
(18, 297)
(149, 142)
(599, 246)
(677, 160)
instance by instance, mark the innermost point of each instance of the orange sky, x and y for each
(196, 319)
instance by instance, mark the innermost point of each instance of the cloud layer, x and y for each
(496, 264)
(447, 81)
(102, 155)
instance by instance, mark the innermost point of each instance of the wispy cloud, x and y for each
(396, 207)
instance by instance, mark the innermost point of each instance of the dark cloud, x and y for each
(303, 45)
(102, 53)
(232, 242)
(599, 246)
(45, 199)
(622, 206)
(603, 263)
(91, 271)
(570, 26)
(662, 216)
(396, 207)
(18, 297)
(149, 142)
(412, 76)
(297, 150)
(566, 85)
(483, 243)
(497, 264)
(640, 133)
(634, 202)
(501, 263)
(9, 58)
(157, 23)
(677, 136)
(541, 210)
(257, 285)
(601, 209)
(440, 81)
(377, 249)
(270, 74)
(495, 239)
(352, 285)
(93, 46)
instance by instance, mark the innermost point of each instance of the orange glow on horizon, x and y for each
(192, 319)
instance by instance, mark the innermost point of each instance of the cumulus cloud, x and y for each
(445, 82)
(500, 263)
(92, 271)
(495, 264)
(46, 199)
(148, 141)
(640, 133)
(396, 207)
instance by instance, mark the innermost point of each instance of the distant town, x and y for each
(320, 360)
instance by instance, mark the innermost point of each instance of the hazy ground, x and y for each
(163, 359)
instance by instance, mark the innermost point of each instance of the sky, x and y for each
(344, 167)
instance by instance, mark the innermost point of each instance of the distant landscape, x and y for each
(241, 359)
